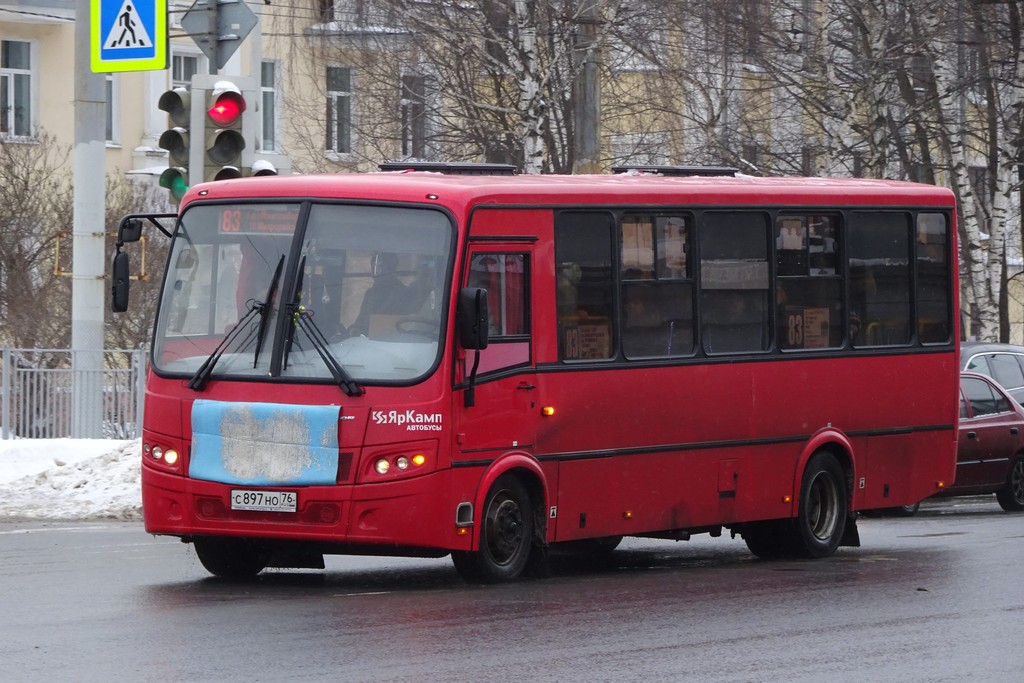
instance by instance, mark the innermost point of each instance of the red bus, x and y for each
(486, 365)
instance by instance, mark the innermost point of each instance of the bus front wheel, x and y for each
(506, 535)
(230, 558)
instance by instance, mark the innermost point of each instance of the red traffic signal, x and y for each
(226, 109)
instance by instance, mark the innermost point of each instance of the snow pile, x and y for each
(70, 479)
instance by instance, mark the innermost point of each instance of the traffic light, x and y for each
(224, 142)
(177, 104)
(263, 167)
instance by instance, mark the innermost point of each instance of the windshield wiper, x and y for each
(303, 320)
(198, 380)
(265, 310)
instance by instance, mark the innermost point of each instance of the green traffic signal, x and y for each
(176, 181)
(178, 105)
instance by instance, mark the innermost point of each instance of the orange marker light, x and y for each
(419, 459)
(628, 514)
(547, 411)
(787, 499)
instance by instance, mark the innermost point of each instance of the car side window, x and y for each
(1006, 370)
(983, 398)
(978, 364)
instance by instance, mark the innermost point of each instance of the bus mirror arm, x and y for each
(473, 317)
(129, 230)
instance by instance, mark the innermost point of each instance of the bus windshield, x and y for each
(362, 292)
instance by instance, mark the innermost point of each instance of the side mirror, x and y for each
(473, 318)
(130, 230)
(119, 278)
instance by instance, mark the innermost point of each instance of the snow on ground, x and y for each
(70, 479)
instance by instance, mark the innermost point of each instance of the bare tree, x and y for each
(35, 208)
(489, 80)
(125, 195)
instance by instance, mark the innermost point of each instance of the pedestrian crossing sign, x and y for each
(128, 35)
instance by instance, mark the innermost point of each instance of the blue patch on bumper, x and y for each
(264, 444)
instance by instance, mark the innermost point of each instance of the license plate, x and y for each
(264, 501)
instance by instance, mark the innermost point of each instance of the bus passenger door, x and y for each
(504, 410)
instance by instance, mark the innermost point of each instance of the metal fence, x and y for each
(39, 385)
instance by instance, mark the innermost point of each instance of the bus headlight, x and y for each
(399, 461)
(163, 454)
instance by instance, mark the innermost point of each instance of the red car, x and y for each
(990, 448)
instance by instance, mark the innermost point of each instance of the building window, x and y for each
(111, 110)
(808, 161)
(16, 88)
(183, 68)
(414, 116)
(268, 101)
(339, 109)
(326, 8)
(650, 148)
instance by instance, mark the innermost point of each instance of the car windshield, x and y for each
(363, 291)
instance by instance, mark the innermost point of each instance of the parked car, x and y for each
(1002, 362)
(990, 447)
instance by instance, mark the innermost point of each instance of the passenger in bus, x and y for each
(388, 295)
(736, 323)
(643, 334)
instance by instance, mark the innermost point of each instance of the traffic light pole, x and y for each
(88, 285)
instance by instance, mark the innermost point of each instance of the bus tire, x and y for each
(770, 540)
(230, 558)
(824, 506)
(506, 535)
(903, 510)
(1011, 496)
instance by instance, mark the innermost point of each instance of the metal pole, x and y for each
(211, 16)
(87, 294)
(6, 419)
(587, 92)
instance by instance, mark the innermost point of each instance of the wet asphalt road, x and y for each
(937, 597)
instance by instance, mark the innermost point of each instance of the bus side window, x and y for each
(657, 291)
(880, 279)
(933, 321)
(808, 294)
(734, 281)
(583, 268)
(504, 276)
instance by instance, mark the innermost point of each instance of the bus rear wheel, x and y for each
(820, 523)
(506, 535)
(824, 506)
(230, 558)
